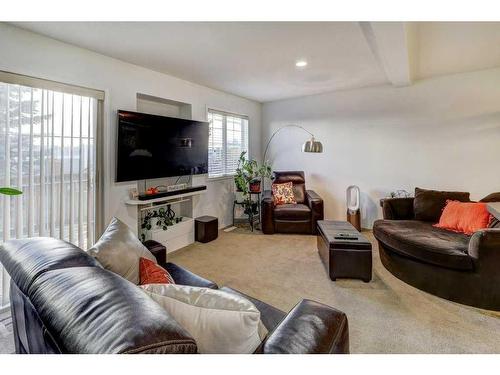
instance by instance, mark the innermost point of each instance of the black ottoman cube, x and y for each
(206, 228)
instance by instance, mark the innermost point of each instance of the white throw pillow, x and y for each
(119, 251)
(220, 322)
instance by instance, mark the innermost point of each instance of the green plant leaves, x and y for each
(249, 170)
(10, 191)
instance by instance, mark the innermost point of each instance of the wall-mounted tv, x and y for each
(152, 146)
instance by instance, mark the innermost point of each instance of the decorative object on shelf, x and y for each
(161, 218)
(10, 191)
(152, 191)
(176, 187)
(353, 212)
(396, 194)
(400, 194)
(133, 193)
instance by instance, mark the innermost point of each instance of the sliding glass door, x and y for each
(47, 150)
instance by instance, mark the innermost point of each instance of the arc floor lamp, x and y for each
(310, 145)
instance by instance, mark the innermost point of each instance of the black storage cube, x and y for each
(206, 228)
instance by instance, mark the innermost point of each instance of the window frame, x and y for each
(226, 113)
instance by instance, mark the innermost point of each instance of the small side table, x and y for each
(206, 228)
(253, 218)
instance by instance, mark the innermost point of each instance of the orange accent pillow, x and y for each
(152, 273)
(464, 217)
(283, 193)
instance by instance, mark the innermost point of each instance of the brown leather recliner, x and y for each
(292, 218)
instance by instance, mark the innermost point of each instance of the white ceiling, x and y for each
(256, 60)
(456, 47)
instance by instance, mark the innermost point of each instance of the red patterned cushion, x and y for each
(283, 193)
(152, 273)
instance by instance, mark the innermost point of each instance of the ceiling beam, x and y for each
(392, 44)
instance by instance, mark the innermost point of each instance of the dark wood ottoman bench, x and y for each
(345, 252)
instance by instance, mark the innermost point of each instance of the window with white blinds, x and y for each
(47, 150)
(228, 138)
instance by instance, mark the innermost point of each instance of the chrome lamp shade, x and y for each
(312, 145)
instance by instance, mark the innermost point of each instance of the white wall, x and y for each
(31, 54)
(441, 133)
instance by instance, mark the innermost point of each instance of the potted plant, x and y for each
(161, 218)
(248, 180)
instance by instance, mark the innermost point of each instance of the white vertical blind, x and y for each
(228, 138)
(47, 150)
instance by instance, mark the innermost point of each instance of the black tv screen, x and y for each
(152, 146)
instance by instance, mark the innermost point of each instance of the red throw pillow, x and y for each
(283, 193)
(464, 217)
(152, 273)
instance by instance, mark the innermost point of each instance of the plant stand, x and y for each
(253, 218)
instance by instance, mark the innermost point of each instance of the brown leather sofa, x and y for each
(63, 301)
(454, 266)
(292, 218)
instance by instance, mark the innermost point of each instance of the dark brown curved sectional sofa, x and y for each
(454, 266)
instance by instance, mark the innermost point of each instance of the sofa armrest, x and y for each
(182, 276)
(158, 250)
(398, 208)
(315, 203)
(267, 212)
(484, 248)
(309, 328)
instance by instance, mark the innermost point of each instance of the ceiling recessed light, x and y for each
(301, 63)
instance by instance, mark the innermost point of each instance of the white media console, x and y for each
(178, 235)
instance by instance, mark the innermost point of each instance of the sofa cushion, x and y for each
(119, 251)
(428, 204)
(297, 179)
(422, 241)
(219, 321)
(152, 273)
(292, 212)
(283, 193)
(464, 217)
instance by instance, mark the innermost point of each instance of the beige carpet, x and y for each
(385, 315)
(6, 337)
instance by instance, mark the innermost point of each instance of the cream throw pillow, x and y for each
(119, 251)
(220, 322)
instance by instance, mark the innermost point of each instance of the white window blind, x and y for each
(47, 150)
(227, 140)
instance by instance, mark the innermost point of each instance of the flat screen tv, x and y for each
(152, 146)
